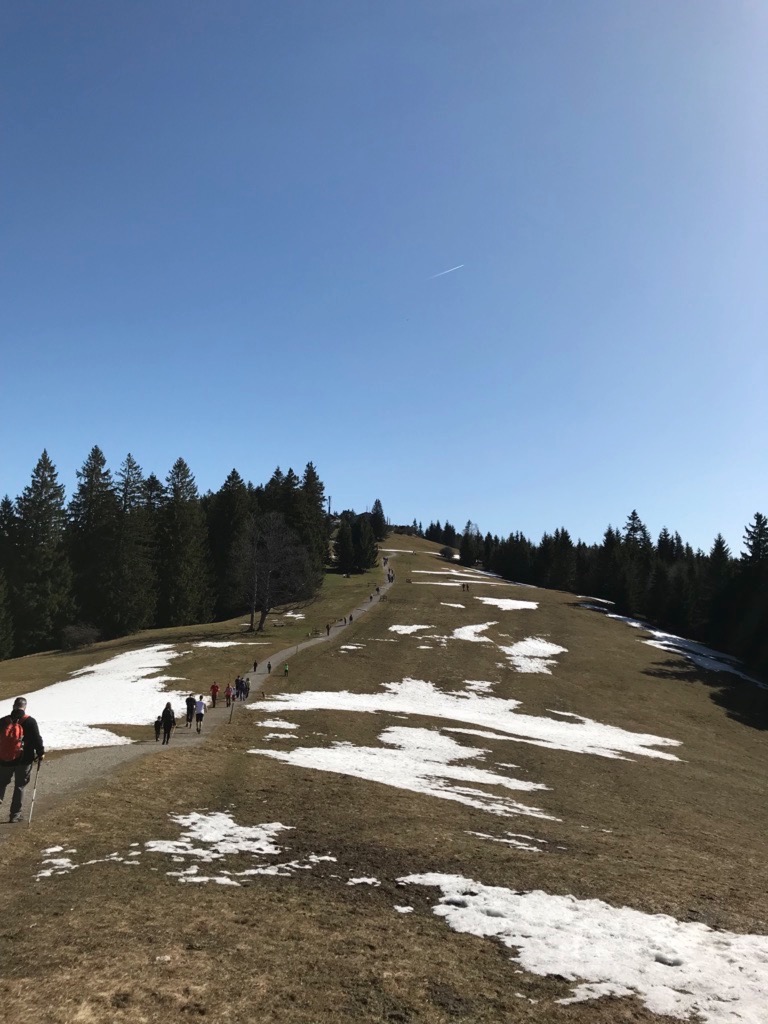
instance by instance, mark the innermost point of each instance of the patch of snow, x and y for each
(513, 839)
(219, 643)
(450, 604)
(403, 910)
(123, 690)
(597, 600)
(425, 647)
(507, 604)
(352, 647)
(406, 630)
(294, 615)
(363, 881)
(277, 723)
(419, 697)
(478, 686)
(682, 969)
(422, 763)
(472, 633)
(533, 654)
(214, 835)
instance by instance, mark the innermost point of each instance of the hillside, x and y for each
(486, 804)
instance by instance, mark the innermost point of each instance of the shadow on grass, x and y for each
(743, 702)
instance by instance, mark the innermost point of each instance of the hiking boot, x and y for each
(15, 819)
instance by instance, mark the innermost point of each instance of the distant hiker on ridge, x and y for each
(269, 668)
(20, 745)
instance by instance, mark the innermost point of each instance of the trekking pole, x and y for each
(34, 794)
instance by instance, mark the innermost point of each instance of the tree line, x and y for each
(715, 597)
(131, 552)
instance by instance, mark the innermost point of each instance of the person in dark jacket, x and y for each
(169, 722)
(19, 768)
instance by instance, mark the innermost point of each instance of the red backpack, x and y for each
(12, 739)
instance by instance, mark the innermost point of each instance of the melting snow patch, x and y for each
(472, 633)
(418, 697)
(450, 604)
(423, 762)
(294, 615)
(508, 605)
(218, 643)
(277, 723)
(363, 881)
(682, 969)
(478, 686)
(513, 839)
(118, 690)
(352, 647)
(403, 910)
(533, 654)
(208, 839)
(405, 630)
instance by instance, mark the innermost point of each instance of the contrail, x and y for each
(446, 271)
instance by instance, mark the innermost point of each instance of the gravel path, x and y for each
(74, 772)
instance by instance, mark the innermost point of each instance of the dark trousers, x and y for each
(20, 775)
(167, 734)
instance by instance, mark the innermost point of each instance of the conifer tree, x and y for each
(470, 547)
(135, 577)
(756, 540)
(184, 592)
(314, 526)
(378, 521)
(6, 623)
(364, 543)
(93, 528)
(344, 549)
(227, 511)
(42, 580)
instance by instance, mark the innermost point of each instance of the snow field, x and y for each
(407, 630)
(124, 690)
(685, 970)
(506, 604)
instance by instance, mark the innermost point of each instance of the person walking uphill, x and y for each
(199, 712)
(214, 694)
(20, 746)
(169, 722)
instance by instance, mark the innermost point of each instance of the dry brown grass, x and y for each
(687, 838)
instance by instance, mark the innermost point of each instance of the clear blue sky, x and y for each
(221, 222)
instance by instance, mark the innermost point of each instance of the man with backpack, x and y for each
(20, 745)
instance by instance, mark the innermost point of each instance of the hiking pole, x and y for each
(34, 794)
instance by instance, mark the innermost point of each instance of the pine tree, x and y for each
(364, 543)
(378, 521)
(135, 577)
(226, 511)
(756, 540)
(93, 529)
(6, 622)
(184, 592)
(42, 579)
(314, 527)
(344, 549)
(470, 547)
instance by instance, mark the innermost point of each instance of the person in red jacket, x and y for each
(214, 694)
(20, 746)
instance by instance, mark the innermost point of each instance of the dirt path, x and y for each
(71, 773)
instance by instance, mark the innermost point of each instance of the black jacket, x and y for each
(168, 717)
(33, 741)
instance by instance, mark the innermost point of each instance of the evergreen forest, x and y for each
(718, 598)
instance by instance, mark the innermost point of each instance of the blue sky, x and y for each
(221, 222)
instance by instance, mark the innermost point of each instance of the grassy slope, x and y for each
(687, 839)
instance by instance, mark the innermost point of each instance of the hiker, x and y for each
(20, 745)
(169, 722)
(190, 710)
(228, 694)
(255, 665)
(246, 687)
(285, 671)
(327, 629)
(214, 693)
(350, 616)
(345, 620)
(269, 668)
(199, 712)
(158, 728)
